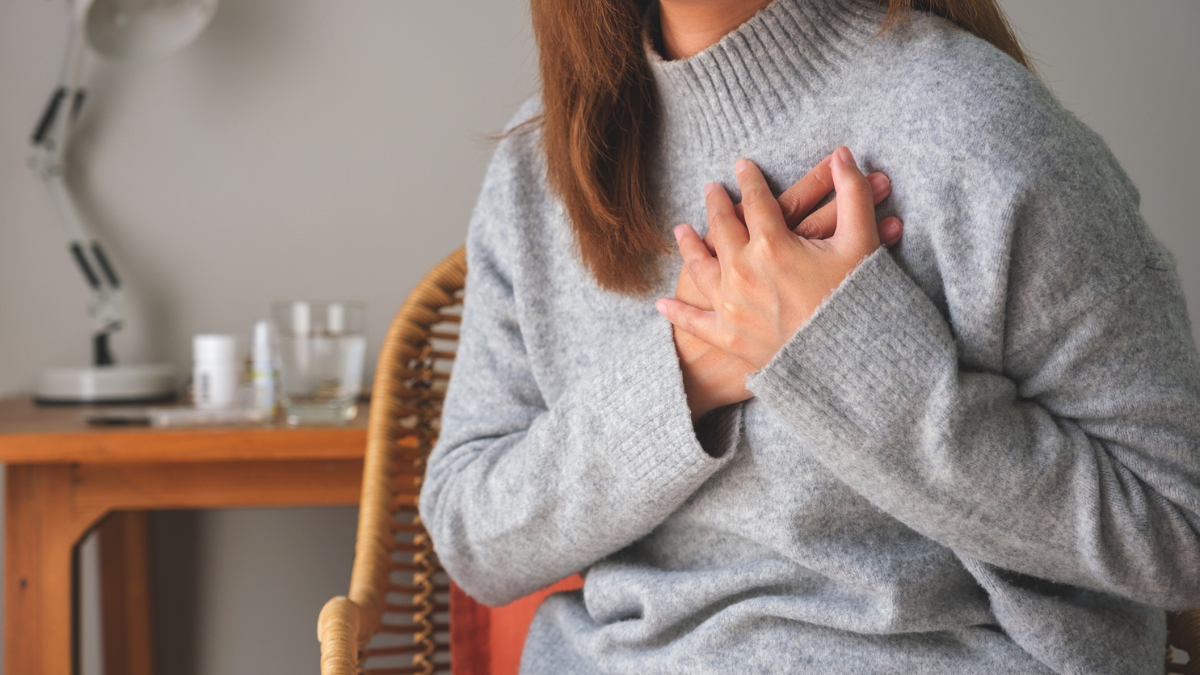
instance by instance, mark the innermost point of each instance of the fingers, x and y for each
(890, 231)
(856, 209)
(797, 202)
(803, 196)
(724, 227)
(881, 187)
(702, 324)
(701, 265)
(822, 223)
(763, 215)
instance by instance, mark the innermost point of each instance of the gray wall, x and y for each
(309, 148)
(298, 149)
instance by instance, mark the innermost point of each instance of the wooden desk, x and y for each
(64, 478)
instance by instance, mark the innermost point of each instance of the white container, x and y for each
(216, 371)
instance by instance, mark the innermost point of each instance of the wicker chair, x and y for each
(399, 595)
(403, 614)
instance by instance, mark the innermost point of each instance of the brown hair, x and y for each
(600, 116)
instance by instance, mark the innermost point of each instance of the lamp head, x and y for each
(144, 28)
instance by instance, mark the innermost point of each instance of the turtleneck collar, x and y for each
(728, 93)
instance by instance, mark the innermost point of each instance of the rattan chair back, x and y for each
(396, 617)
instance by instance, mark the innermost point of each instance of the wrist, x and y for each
(699, 409)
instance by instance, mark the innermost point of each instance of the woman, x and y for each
(976, 453)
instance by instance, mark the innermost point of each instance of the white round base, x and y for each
(107, 384)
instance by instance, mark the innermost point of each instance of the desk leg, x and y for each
(42, 529)
(125, 593)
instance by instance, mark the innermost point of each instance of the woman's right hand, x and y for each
(713, 378)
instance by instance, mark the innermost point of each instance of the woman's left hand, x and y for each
(765, 281)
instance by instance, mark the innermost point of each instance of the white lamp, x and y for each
(118, 29)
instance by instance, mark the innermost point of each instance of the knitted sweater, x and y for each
(980, 455)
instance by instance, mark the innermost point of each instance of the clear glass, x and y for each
(322, 349)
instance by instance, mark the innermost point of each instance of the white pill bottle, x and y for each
(216, 371)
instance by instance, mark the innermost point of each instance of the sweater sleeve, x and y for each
(1076, 461)
(520, 492)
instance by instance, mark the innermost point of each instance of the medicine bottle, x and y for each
(216, 371)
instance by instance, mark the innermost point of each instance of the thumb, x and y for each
(855, 204)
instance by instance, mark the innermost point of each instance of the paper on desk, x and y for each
(191, 417)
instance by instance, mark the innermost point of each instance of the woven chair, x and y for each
(403, 614)
(399, 595)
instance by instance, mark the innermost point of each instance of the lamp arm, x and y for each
(53, 132)
(88, 255)
(51, 137)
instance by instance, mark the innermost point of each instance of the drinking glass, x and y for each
(322, 348)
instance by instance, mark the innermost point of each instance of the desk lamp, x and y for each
(119, 29)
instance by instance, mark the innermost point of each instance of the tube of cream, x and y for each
(266, 375)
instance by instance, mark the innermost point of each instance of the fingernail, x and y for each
(741, 165)
(879, 183)
(678, 232)
(661, 306)
(889, 228)
(709, 188)
(843, 154)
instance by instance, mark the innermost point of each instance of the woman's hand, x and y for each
(765, 281)
(798, 201)
(713, 377)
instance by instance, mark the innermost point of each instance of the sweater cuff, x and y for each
(847, 373)
(654, 446)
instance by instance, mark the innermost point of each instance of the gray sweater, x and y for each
(980, 455)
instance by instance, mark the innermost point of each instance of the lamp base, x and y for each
(107, 384)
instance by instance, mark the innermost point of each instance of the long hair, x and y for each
(600, 116)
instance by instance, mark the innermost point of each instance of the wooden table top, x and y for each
(32, 434)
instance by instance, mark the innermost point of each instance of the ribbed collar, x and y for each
(729, 93)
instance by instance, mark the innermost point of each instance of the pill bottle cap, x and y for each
(215, 350)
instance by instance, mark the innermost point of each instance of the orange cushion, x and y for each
(504, 627)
